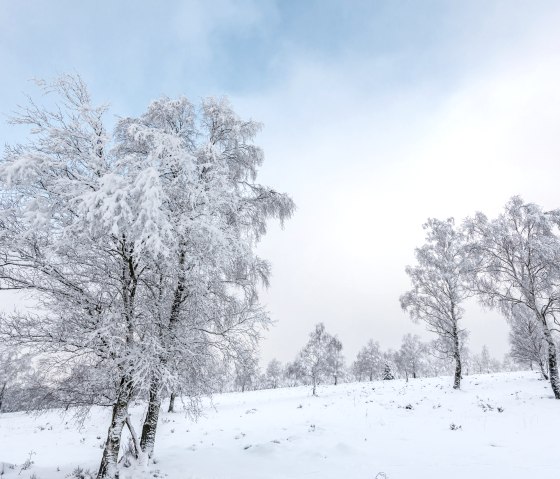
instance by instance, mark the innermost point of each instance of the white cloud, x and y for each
(366, 172)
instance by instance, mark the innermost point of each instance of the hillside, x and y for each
(505, 425)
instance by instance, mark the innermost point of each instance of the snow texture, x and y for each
(498, 425)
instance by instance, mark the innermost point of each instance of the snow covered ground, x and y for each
(505, 425)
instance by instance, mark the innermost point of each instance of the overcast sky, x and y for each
(378, 115)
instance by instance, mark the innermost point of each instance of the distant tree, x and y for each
(246, 371)
(315, 356)
(274, 373)
(508, 364)
(484, 363)
(411, 356)
(437, 364)
(369, 362)
(335, 359)
(485, 360)
(14, 366)
(294, 372)
(439, 288)
(518, 263)
(389, 360)
(527, 344)
(387, 373)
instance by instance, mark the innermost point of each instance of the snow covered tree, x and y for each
(439, 288)
(411, 356)
(295, 372)
(13, 367)
(335, 359)
(274, 373)
(518, 256)
(438, 364)
(315, 356)
(387, 373)
(526, 339)
(138, 247)
(368, 362)
(246, 371)
(485, 360)
(59, 192)
(207, 166)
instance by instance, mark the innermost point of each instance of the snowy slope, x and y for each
(350, 431)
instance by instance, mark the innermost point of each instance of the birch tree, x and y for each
(439, 288)
(138, 247)
(519, 258)
(206, 164)
(527, 344)
(369, 361)
(411, 355)
(335, 359)
(314, 357)
(274, 372)
(81, 257)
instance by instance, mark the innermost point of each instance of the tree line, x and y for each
(321, 362)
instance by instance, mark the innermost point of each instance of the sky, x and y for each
(377, 115)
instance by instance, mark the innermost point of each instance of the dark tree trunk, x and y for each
(171, 403)
(543, 372)
(457, 378)
(456, 351)
(552, 359)
(2, 392)
(149, 428)
(108, 468)
(457, 357)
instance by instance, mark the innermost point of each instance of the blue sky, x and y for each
(135, 50)
(378, 114)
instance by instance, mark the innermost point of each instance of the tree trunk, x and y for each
(544, 375)
(457, 356)
(335, 379)
(172, 403)
(149, 428)
(108, 468)
(552, 360)
(2, 392)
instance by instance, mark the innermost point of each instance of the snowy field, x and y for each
(505, 425)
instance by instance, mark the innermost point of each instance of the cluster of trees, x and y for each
(320, 361)
(510, 263)
(136, 249)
